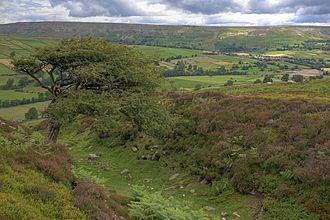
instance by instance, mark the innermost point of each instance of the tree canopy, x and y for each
(88, 75)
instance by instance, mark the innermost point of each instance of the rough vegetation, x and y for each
(36, 181)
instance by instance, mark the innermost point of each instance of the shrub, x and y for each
(152, 206)
(98, 203)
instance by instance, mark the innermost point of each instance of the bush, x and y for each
(98, 203)
(32, 114)
(298, 78)
(151, 206)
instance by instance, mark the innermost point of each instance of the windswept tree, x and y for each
(87, 64)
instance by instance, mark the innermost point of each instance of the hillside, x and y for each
(192, 37)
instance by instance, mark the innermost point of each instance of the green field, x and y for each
(163, 52)
(21, 45)
(4, 70)
(18, 112)
(205, 81)
(12, 95)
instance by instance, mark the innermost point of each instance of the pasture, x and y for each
(165, 52)
(12, 95)
(190, 82)
(5, 70)
(22, 45)
(18, 112)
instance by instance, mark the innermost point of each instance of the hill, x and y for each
(192, 37)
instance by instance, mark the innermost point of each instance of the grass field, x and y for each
(18, 112)
(4, 70)
(205, 81)
(12, 95)
(164, 52)
(316, 90)
(21, 45)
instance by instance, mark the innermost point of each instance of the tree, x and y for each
(12, 54)
(31, 114)
(10, 84)
(258, 81)
(267, 79)
(285, 78)
(298, 78)
(229, 83)
(87, 64)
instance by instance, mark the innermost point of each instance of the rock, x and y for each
(129, 176)
(209, 208)
(224, 214)
(146, 180)
(192, 191)
(156, 156)
(94, 156)
(173, 177)
(134, 149)
(203, 181)
(236, 215)
(144, 157)
(124, 171)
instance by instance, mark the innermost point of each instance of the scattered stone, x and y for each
(193, 191)
(209, 208)
(156, 156)
(146, 180)
(223, 218)
(224, 214)
(236, 215)
(124, 171)
(173, 177)
(129, 176)
(94, 156)
(203, 181)
(134, 149)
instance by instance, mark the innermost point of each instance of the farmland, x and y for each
(18, 112)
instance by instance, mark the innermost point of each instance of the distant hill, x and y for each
(225, 39)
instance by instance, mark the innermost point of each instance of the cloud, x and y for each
(88, 8)
(205, 6)
(184, 12)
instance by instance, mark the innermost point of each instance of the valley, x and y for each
(164, 122)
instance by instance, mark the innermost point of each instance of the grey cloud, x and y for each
(323, 18)
(289, 6)
(88, 8)
(205, 6)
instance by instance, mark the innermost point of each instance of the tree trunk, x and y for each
(54, 130)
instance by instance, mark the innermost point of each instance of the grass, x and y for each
(22, 45)
(164, 52)
(316, 90)
(151, 174)
(18, 112)
(12, 95)
(4, 70)
(190, 82)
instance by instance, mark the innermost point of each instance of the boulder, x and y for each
(173, 177)
(94, 156)
(209, 208)
(124, 171)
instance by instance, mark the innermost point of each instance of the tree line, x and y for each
(42, 97)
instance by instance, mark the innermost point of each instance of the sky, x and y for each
(170, 12)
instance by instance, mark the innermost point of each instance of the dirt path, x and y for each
(6, 62)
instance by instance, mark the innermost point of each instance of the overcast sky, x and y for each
(185, 12)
